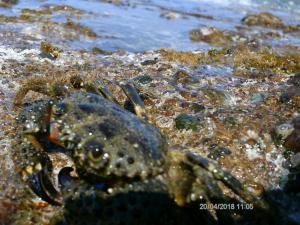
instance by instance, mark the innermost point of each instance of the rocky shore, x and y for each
(237, 103)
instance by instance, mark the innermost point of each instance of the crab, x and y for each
(123, 163)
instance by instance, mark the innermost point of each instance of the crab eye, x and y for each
(97, 153)
(95, 149)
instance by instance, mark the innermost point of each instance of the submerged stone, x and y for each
(188, 122)
(196, 107)
(216, 152)
(257, 98)
(217, 97)
(143, 79)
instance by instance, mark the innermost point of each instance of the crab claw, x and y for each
(42, 186)
(35, 169)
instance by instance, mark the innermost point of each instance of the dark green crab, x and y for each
(126, 173)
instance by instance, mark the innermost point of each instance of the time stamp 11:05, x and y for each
(226, 206)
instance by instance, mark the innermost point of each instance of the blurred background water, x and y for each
(139, 25)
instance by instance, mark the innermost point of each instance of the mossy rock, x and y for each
(187, 122)
(216, 152)
(263, 19)
(143, 79)
(196, 107)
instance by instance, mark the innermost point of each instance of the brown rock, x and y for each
(264, 19)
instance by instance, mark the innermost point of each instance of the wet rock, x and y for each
(100, 51)
(263, 19)
(80, 29)
(211, 36)
(182, 77)
(295, 80)
(252, 73)
(143, 79)
(293, 140)
(197, 107)
(49, 51)
(257, 98)
(216, 152)
(266, 19)
(187, 122)
(291, 96)
(264, 62)
(170, 15)
(149, 62)
(217, 97)
(188, 58)
(229, 121)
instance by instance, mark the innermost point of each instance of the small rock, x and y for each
(218, 97)
(196, 107)
(143, 79)
(229, 121)
(182, 77)
(211, 36)
(257, 98)
(99, 51)
(170, 15)
(295, 80)
(149, 62)
(264, 19)
(49, 51)
(216, 152)
(188, 122)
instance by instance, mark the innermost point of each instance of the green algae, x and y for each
(187, 58)
(188, 122)
(49, 51)
(211, 36)
(264, 60)
(269, 20)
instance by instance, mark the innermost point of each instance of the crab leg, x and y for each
(96, 87)
(135, 99)
(39, 85)
(226, 178)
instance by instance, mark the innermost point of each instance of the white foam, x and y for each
(228, 2)
(12, 54)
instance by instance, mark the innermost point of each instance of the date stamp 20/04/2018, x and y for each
(226, 206)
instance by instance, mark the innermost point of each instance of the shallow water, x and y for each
(139, 25)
